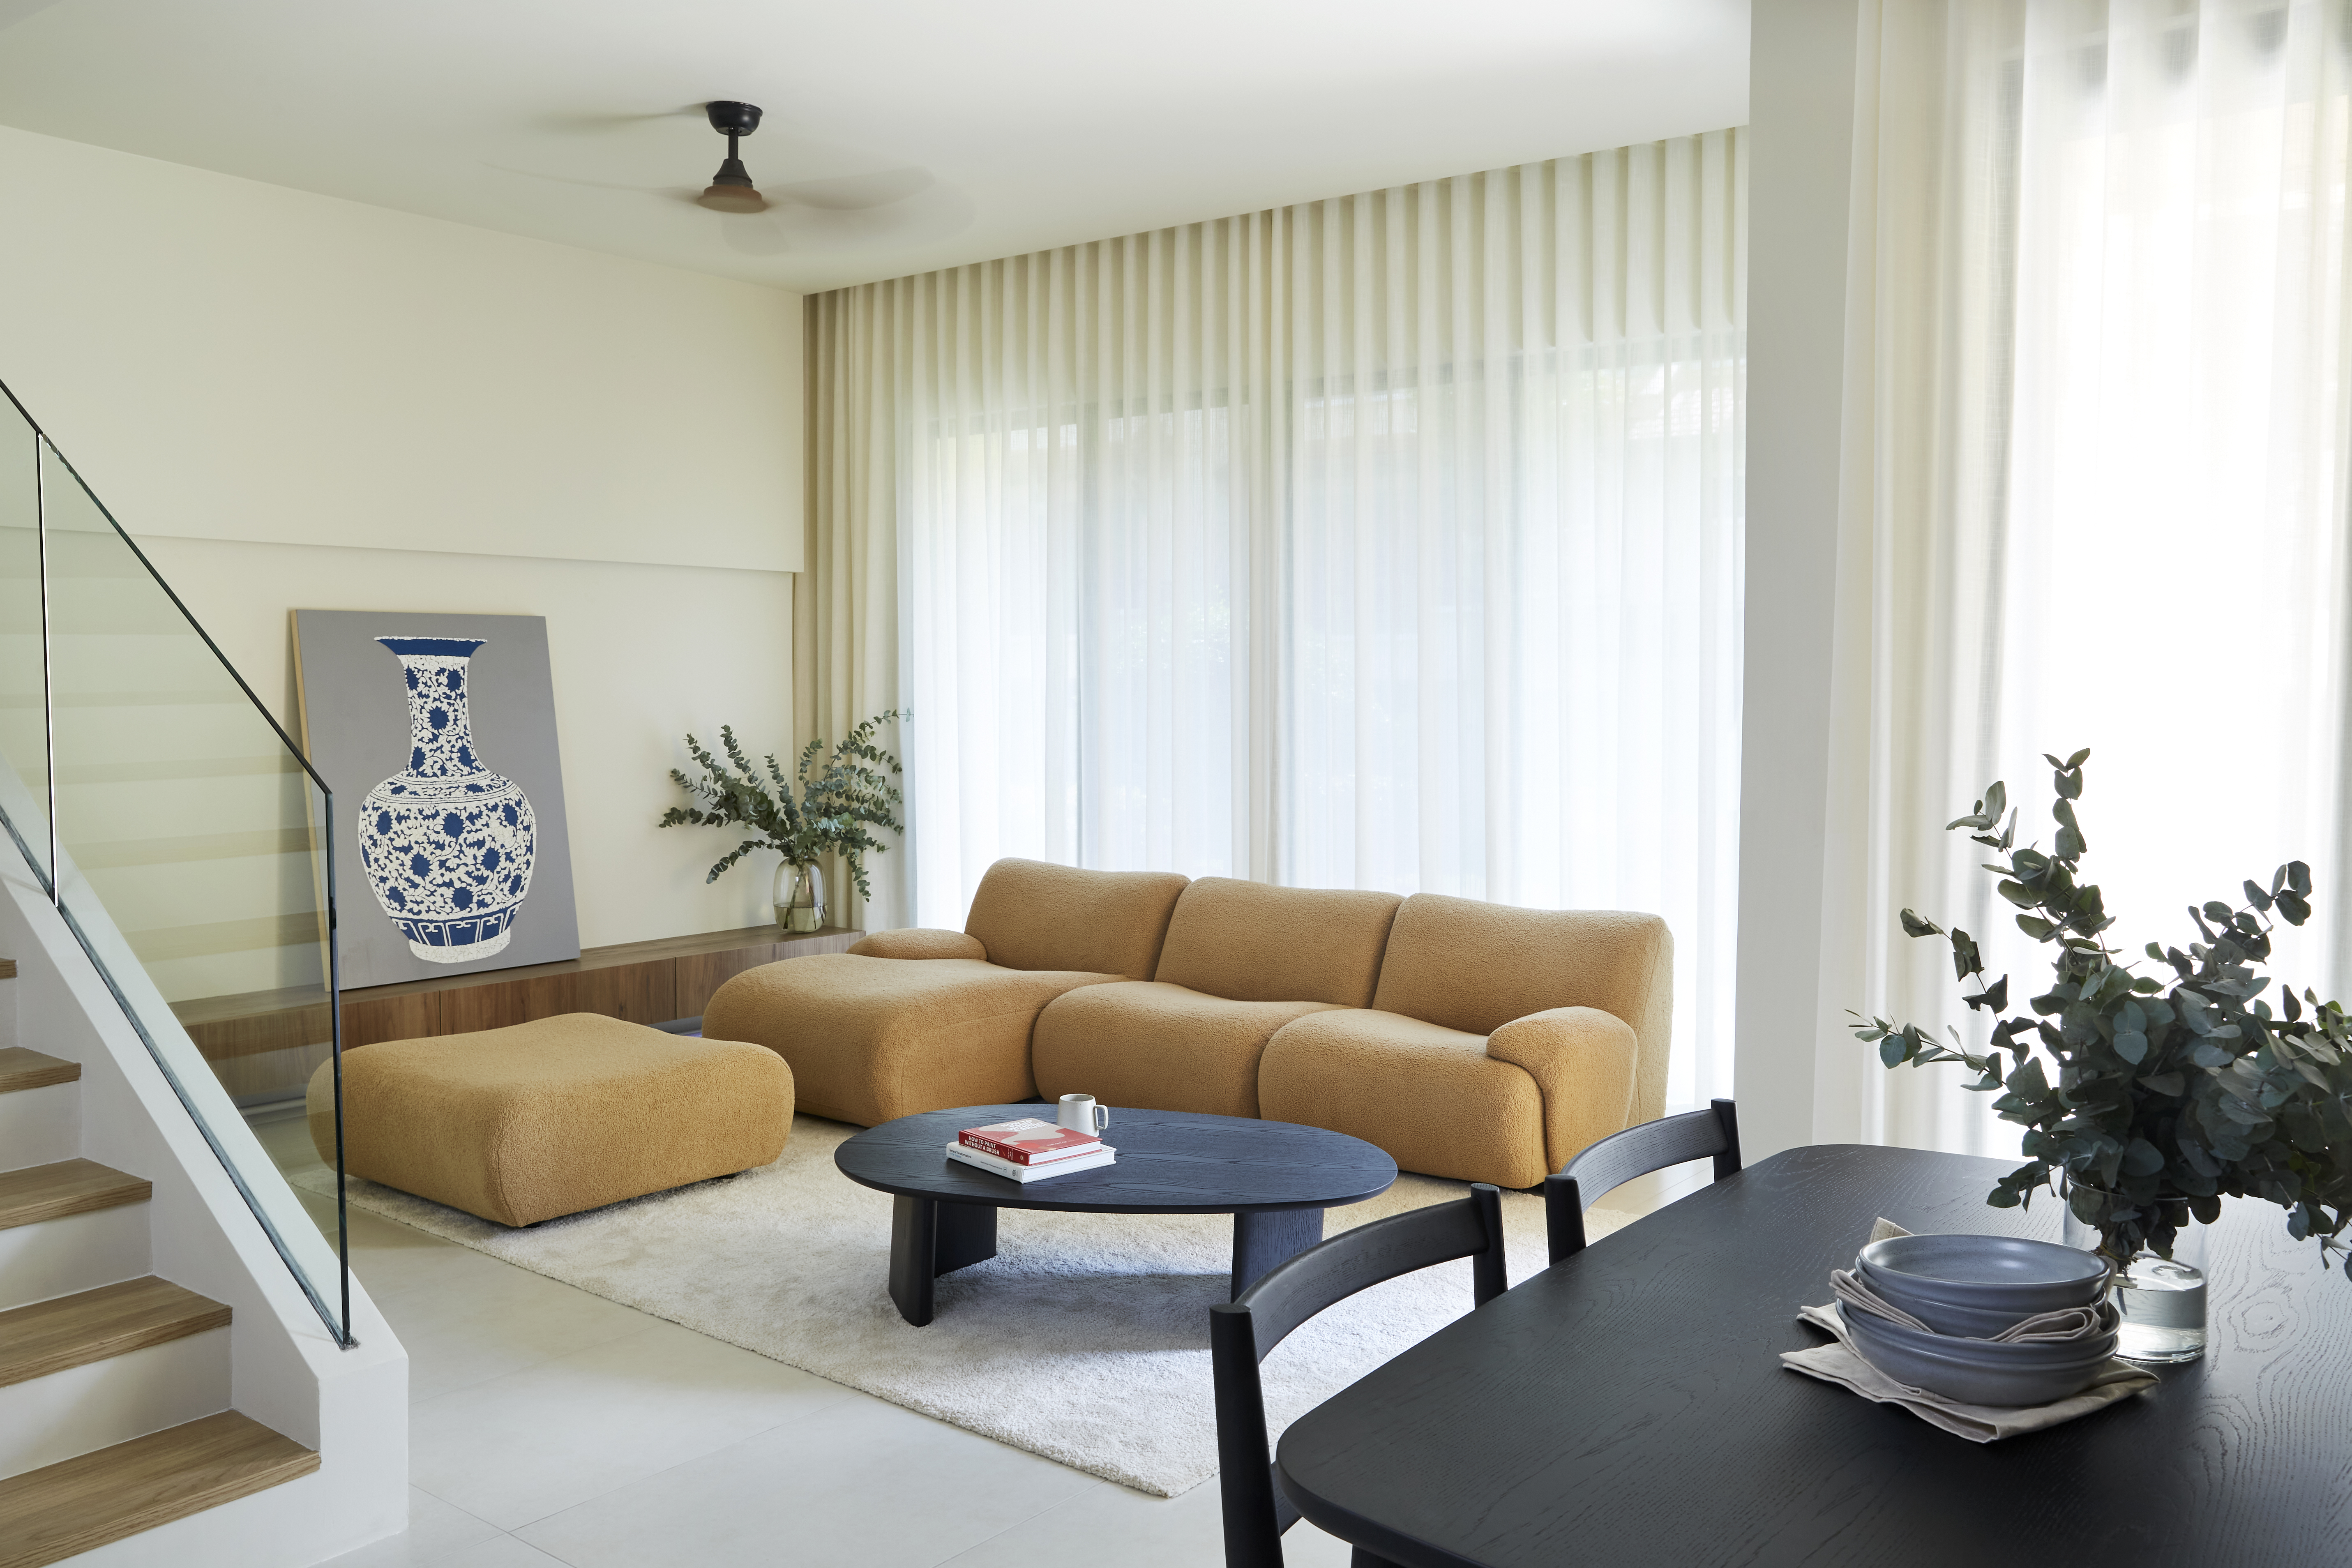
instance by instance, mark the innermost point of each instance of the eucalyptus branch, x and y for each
(825, 807)
(2166, 1099)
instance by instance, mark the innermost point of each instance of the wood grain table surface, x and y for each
(1628, 1408)
(1169, 1162)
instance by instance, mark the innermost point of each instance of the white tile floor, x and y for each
(552, 1427)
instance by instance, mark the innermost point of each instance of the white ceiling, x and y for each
(904, 134)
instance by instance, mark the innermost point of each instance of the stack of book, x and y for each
(1030, 1150)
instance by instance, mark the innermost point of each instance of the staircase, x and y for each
(114, 1384)
(189, 1377)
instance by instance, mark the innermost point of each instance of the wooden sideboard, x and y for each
(643, 981)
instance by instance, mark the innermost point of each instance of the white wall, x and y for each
(223, 359)
(293, 401)
(1801, 130)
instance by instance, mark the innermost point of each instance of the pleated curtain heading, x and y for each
(1390, 540)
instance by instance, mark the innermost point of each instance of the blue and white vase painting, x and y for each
(448, 845)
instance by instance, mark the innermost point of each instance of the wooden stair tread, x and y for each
(93, 1325)
(49, 1514)
(70, 1186)
(21, 1069)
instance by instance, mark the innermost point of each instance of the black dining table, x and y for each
(1627, 1408)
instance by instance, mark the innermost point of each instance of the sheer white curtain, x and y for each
(1387, 542)
(2098, 490)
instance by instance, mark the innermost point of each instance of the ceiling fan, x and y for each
(731, 189)
(848, 211)
(885, 209)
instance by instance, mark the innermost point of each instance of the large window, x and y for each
(2110, 442)
(1387, 541)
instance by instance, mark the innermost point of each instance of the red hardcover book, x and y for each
(1028, 1141)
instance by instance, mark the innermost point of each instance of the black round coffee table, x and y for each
(1276, 1178)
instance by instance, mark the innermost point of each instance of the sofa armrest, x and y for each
(1584, 1061)
(919, 942)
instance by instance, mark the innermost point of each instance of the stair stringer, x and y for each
(287, 1372)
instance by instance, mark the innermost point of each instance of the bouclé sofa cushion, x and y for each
(1253, 942)
(1476, 966)
(1032, 915)
(1158, 1046)
(871, 1039)
(919, 942)
(1430, 1096)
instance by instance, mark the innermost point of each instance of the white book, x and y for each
(1026, 1173)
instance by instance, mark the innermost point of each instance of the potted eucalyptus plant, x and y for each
(2147, 1096)
(840, 794)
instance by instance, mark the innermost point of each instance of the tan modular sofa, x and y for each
(1468, 1039)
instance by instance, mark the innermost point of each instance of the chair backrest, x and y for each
(1636, 1152)
(1249, 942)
(1241, 1333)
(1030, 914)
(1463, 963)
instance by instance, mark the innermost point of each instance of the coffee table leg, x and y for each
(914, 1233)
(1264, 1237)
(929, 1238)
(966, 1235)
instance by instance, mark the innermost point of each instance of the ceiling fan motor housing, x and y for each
(730, 118)
(732, 189)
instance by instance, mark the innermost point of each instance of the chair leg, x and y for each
(1727, 1162)
(1564, 1216)
(1489, 1276)
(1245, 1486)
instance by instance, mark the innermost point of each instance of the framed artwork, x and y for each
(437, 734)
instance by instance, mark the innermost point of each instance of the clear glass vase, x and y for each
(2161, 1299)
(800, 898)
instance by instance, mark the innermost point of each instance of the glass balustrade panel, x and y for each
(193, 854)
(24, 705)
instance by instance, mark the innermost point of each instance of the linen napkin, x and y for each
(1839, 1363)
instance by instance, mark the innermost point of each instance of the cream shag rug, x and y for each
(1106, 1315)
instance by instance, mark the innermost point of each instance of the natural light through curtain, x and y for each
(2110, 433)
(1386, 542)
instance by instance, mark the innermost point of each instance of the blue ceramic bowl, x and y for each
(1970, 1284)
(1977, 1372)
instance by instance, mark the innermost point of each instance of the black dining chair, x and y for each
(1636, 1152)
(1242, 1333)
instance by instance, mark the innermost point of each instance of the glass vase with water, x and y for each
(799, 899)
(2161, 1299)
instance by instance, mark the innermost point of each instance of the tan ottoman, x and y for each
(550, 1118)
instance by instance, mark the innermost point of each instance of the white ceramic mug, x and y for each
(1079, 1113)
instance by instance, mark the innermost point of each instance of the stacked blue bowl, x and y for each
(1967, 1290)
